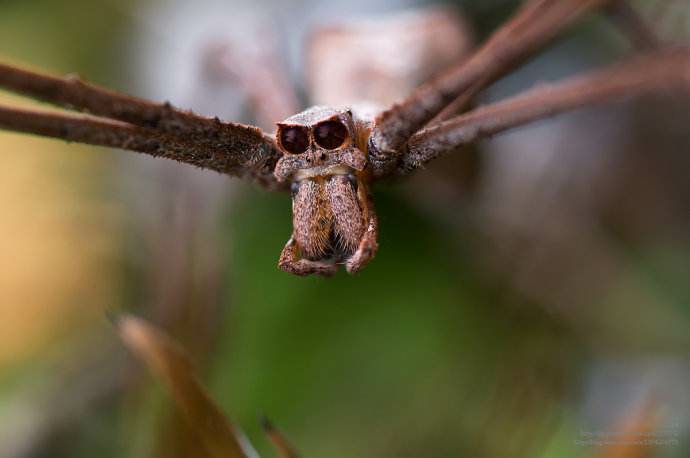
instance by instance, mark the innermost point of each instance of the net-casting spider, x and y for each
(328, 157)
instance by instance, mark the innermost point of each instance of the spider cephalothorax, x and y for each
(325, 160)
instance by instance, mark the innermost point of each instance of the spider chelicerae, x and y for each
(327, 157)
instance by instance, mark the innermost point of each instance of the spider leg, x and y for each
(291, 262)
(225, 147)
(535, 25)
(92, 130)
(660, 71)
(368, 245)
(631, 24)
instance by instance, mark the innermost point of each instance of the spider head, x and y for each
(318, 141)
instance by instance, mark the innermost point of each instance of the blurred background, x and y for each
(530, 294)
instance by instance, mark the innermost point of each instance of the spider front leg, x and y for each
(532, 27)
(291, 262)
(661, 71)
(368, 245)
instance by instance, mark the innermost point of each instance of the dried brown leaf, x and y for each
(172, 366)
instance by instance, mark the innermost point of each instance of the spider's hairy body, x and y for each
(325, 160)
(328, 157)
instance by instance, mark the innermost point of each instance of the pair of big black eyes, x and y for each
(328, 135)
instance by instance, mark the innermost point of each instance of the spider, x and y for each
(327, 157)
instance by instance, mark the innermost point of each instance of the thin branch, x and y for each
(536, 24)
(229, 148)
(634, 26)
(661, 71)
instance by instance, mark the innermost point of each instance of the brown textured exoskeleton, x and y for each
(325, 160)
(328, 157)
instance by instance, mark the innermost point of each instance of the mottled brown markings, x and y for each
(312, 219)
(348, 217)
(368, 245)
(331, 205)
(319, 162)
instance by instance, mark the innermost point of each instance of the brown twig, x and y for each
(533, 26)
(640, 33)
(139, 125)
(661, 71)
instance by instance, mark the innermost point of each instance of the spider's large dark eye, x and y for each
(294, 140)
(330, 134)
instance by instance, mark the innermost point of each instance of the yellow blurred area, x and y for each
(56, 244)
